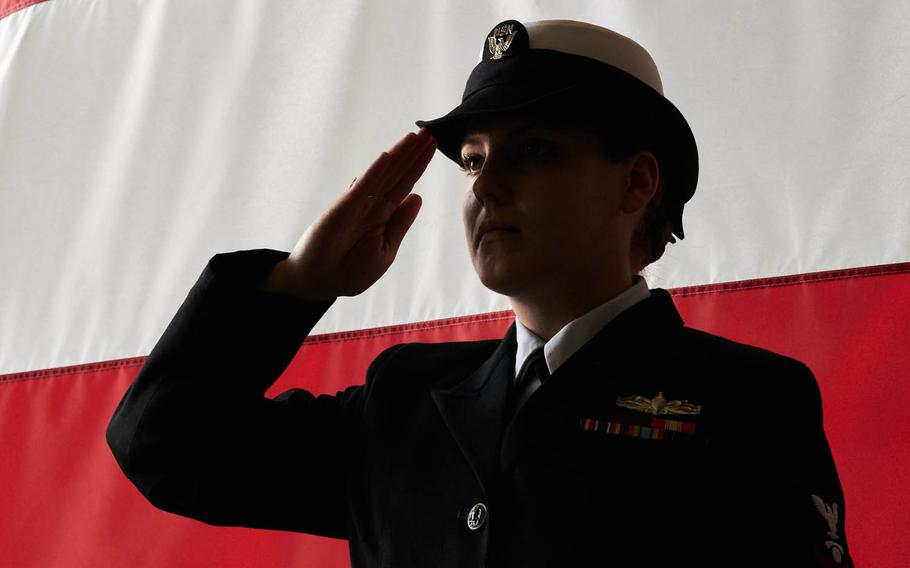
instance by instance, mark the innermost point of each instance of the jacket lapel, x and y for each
(473, 409)
(604, 366)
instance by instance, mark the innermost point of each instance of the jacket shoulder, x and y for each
(708, 347)
(431, 365)
(747, 378)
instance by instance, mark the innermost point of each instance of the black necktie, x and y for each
(534, 366)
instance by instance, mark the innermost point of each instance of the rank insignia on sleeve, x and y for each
(829, 513)
(658, 405)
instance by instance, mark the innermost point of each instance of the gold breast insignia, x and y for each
(658, 405)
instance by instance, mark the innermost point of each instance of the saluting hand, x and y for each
(355, 240)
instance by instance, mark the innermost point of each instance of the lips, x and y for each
(491, 225)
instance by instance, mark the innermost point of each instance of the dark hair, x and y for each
(622, 140)
(649, 241)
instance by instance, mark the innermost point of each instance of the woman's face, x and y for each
(558, 198)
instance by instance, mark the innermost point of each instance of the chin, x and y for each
(501, 278)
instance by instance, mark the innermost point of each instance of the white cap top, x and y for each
(595, 42)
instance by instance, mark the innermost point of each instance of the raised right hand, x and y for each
(352, 244)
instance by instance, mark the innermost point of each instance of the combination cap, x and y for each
(565, 68)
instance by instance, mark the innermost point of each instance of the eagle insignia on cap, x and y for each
(658, 405)
(500, 40)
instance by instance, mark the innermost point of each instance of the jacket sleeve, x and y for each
(818, 489)
(195, 433)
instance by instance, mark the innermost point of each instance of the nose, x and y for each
(491, 184)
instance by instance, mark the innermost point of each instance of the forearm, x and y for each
(202, 386)
(277, 280)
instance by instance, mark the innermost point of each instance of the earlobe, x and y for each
(630, 205)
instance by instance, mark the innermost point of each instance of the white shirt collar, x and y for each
(579, 331)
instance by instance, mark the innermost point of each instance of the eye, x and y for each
(470, 163)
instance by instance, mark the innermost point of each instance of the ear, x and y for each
(642, 182)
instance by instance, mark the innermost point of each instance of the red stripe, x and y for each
(792, 279)
(136, 362)
(7, 7)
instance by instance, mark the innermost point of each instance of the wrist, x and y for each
(280, 281)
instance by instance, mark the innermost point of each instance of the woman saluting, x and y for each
(599, 431)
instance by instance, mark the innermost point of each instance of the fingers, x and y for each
(409, 175)
(387, 171)
(372, 177)
(401, 181)
(423, 144)
(402, 220)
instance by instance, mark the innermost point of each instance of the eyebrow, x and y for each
(523, 126)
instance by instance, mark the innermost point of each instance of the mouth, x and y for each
(492, 230)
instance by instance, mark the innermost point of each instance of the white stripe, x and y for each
(139, 139)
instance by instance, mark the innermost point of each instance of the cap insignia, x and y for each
(501, 39)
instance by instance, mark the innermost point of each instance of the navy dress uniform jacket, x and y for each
(397, 465)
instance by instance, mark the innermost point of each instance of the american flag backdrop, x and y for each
(140, 138)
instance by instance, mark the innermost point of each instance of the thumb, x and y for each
(402, 220)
